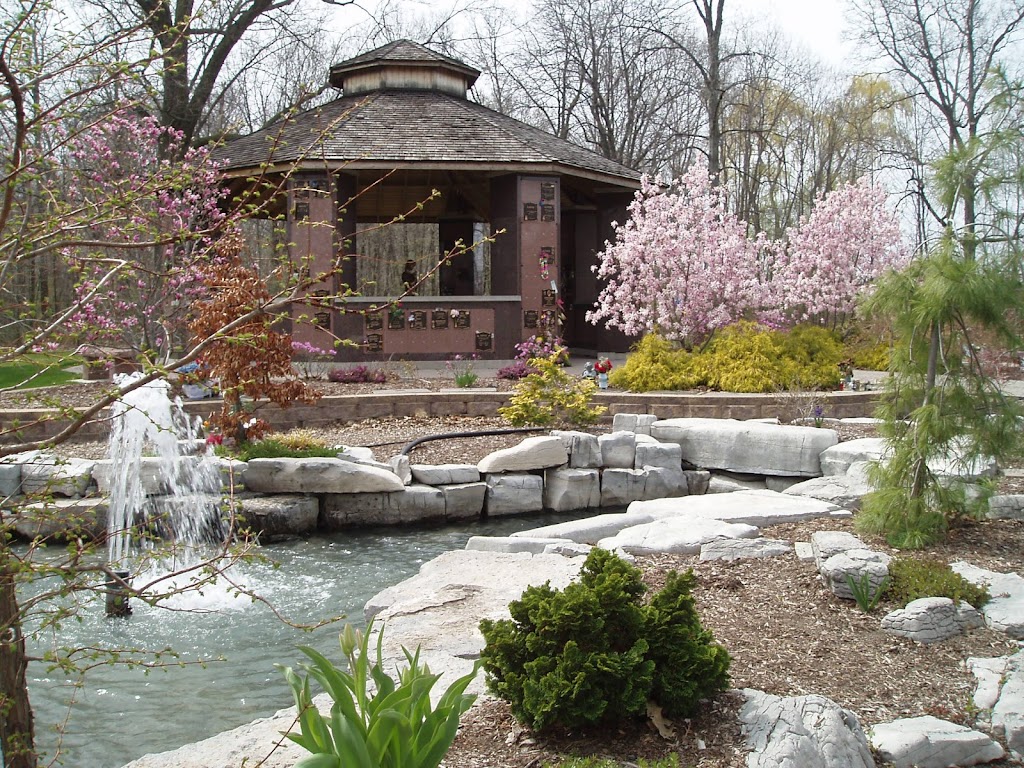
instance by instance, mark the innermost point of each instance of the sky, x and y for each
(815, 24)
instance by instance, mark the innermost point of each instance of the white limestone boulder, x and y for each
(532, 453)
(10, 471)
(589, 530)
(514, 494)
(749, 447)
(930, 620)
(928, 742)
(640, 423)
(847, 491)
(58, 477)
(664, 455)
(318, 475)
(618, 449)
(675, 535)
(444, 474)
(802, 732)
(61, 519)
(531, 544)
(824, 544)
(463, 501)
(567, 489)
(1006, 507)
(400, 465)
(1005, 611)
(744, 549)
(864, 567)
(758, 508)
(440, 608)
(583, 449)
(619, 487)
(1000, 694)
(727, 482)
(276, 516)
(837, 459)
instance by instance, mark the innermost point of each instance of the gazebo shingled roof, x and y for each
(393, 128)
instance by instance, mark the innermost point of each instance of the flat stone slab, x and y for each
(802, 732)
(1005, 611)
(59, 477)
(837, 459)
(745, 446)
(568, 488)
(514, 494)
(1000, 693)
(744, 549)
(824, 544)
(928, 742)
(583, 449)
(761, 508)
(62, 518)
(532, 453)
(532, 544)
(589, 530)
(445, 474)
(317, 475)
(846, 491)
(677, 535)
(440, 608)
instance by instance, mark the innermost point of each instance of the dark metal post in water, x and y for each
(117, 594)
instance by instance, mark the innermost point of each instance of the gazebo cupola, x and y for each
(403, 65)
(403, 187)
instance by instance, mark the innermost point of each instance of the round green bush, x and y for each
(595, 653)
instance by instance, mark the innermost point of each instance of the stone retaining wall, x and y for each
(39, 424)
(562, 472)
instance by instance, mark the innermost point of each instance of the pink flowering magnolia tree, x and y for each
(143, 227)
(836, 254)
(681, 266)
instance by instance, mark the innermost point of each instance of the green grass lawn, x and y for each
(49, 367)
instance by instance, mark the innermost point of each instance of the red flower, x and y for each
(603, 365)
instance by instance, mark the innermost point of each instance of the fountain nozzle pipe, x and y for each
(118, 590)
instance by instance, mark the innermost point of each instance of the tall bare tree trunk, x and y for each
(17, 729)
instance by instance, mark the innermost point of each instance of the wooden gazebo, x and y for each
(403, 139)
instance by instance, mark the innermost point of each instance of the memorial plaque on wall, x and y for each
(374, 342)
(323, 319)
(462, 319)
(530, 318)
(418, 319)
(547, 212)
(439, 319)
(484, 341)
(548, 297)
(301, 211)
(529, 211)
(547, 190)
(374, 321)
(396, 321)
(317, 185)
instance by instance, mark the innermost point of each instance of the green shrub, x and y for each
(870, 358)
(744, 357)
(656, 364)
(594, 653)
(277, 448)
(550, 396)
(911, 578)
